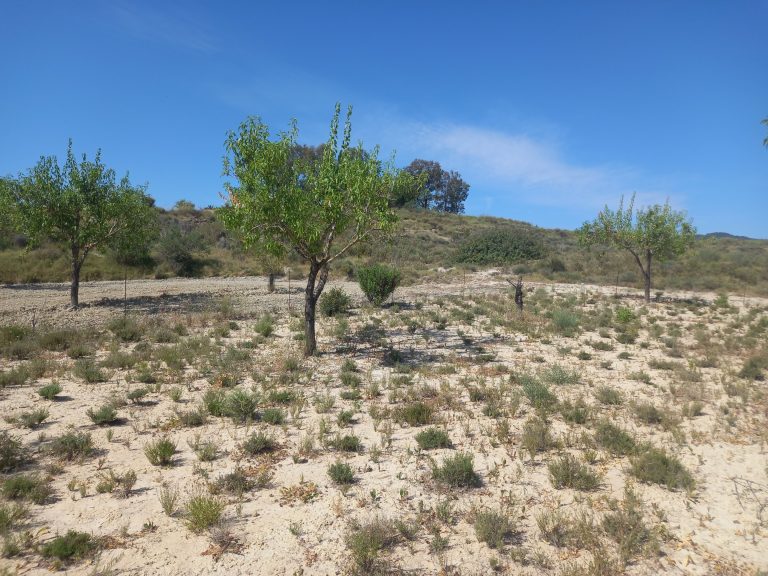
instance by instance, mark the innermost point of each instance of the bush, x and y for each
(265, 326)
(432, 438)
(27, 487)
(273, 416)
(72, 445)
(203, 511)
(565, 322)
(33, 418)
(655, 466)
(49, 391)
(241, 406)
(538, 394)
(258, 443)
(13, 454)
(500, 247)
(73, 545)
(536, 437)
(377, 282)
(567, 472)
(415, 414)
(617, 441)
(366, 541)
(648, 413)
(104, 415)
(609, 396)
(334, 302)
(89, 371)
(125, 328)
(160, 452)
(457, 471)
(348, 443)
(493, 528)
(214, 402)
(341, 473)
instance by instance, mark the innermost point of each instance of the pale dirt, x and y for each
(712, 531)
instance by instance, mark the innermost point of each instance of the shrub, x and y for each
(273, 416)
(33, 418)
(648, 413)
(499, 246)
(160, 452)
(753, 368)
(265, 326)
(72, 445)
(203, 511)
(213, 400)
(655, 466)
(624, 315)
(609, 396)
(258, 443)
(493, 528)
(192, 418)
(125, 328)
(104, 415)
(241, 406)
(335, 302)
(576, 412)
(348, 443)
(538, 394)
(341, 473)
(536, 437)
(626, 527)
(89, 371)
(73, 545)
(415, 414)
(366, 541)
(432, 438)
(567, 472)
(565, 322)
(136, 395)
(617, 441)
(457, 471)
(559, 375)
(236, 482)
(49, 391)
(27, 487)
(377, 282)
(9, 515)
(16, 377)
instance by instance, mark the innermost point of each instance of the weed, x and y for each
(538, 394)
(432, 438)
(335, 302)
(259, 443)
(160, 452)
(366, 541)
(49, 391)
(576, 412)
(273, 416)
(492, 527)
(567, 472)
(536, 437)
(609, 396)
(348, 443)
(241, 406)
(72, 445)
(27, 487)
(126, 329)
(103, 416)
(617, 441)
(648, 413)
(87, 370)
(457, 472)
(626, 527)
(655, 466)
(415, 414)
(341, 473)
(72, 546)
(559, 375)
(33, 418)
(203, 511)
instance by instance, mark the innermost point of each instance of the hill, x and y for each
(425, 245)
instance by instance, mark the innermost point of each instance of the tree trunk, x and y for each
(318, 274)
(271, 285)
(74, 288)
(647, 274)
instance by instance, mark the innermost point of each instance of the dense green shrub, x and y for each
(12, 452)
(72, 545)
(500, 247)
(335, 302)
(377, 282)
(432, 438)
(457, 471)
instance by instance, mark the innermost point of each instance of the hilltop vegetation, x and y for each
(193, 243)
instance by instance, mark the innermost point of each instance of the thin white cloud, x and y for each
(173, 27)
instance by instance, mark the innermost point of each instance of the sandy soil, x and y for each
(719, 527)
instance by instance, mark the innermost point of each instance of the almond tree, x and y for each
(81, 207)
(280, 201)
(647, 233)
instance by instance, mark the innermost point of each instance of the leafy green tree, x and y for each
(647, 233)
(82, 207)
(436, 189)
(282, 201)
(432, 180)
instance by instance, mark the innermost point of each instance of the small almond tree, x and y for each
(281, 201)
(647, 233)
(81, 207)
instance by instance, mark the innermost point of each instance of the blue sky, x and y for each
(548, 109)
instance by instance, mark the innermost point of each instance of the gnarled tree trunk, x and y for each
(647, 275)
(74, 288)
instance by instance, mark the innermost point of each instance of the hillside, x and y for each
(425, 244)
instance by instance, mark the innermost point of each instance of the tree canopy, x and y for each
(438, 189)
(316, 202)
(82, 207)
(647, 233)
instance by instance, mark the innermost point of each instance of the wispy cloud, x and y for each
(534, 169)
(174, 27)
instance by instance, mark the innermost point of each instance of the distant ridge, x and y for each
(725, 235)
